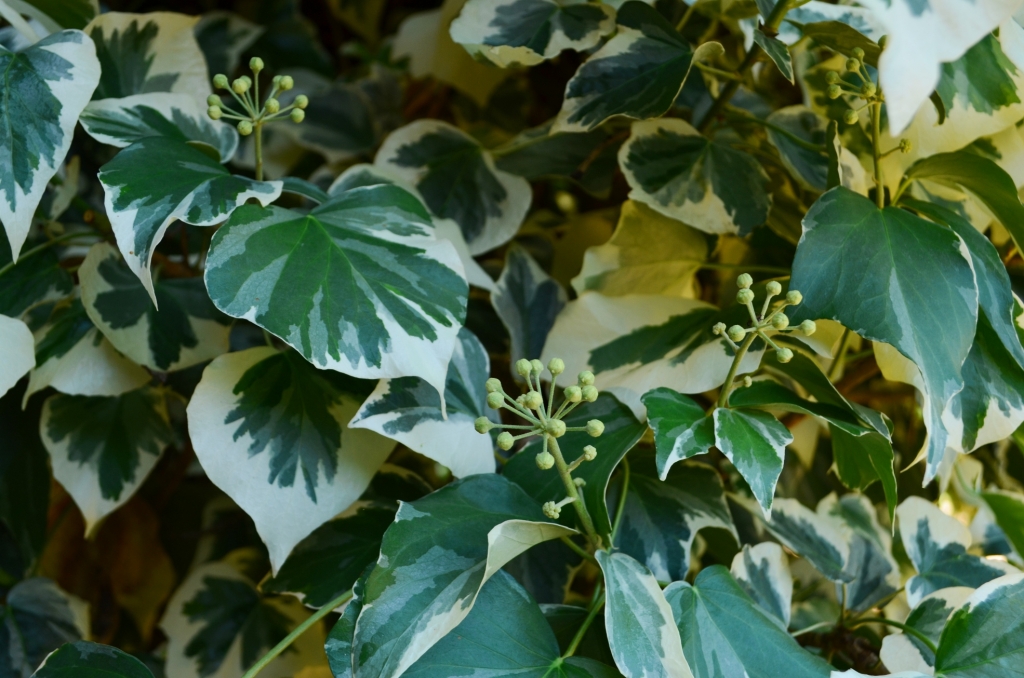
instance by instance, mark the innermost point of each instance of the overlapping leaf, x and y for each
(814, 536)
(57, 14)
(35, 620)
(875, 573)
(19, 358)
(32, 280)
(906, 652)
(762, 571)
(91, 660)
(755, 442)
(527, 300)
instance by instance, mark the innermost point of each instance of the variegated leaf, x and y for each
(102, 447)
(45, 86)
(526, 32)
(434, 559)
(409, 410)
(38, 617)
(358, 285)
(54, 15)
(815, 536)
(762, 571)
(157, 180)
(458, 180)
(704, 183)
(186, 330)
(122, 121)
(31, 281)
(1007, 512)
(223, 37)
(638, 73)
(906, 652)
(91, 660)
(985, 635)
(809, 167)
(271, 431)
(681, 427)
(527, 300)
(19, 352)
(755, 442)
(638, 619)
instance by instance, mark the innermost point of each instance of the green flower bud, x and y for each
(495, 400)
(736, 333)
(851, 117)
(784, 355)
(868, 89)
(589, 393)
(533, 400)
(773, 288)
(213, 100)
(747, 381)
(556, 366)
(272, 105)
(483, 424)
(523, 367)
(882, 41)
(808, 327)
(505, 440)
(536, 366)
(858, 52)
(297, 115)
(551, 510)
(256, 64)
(595, 427)
(780, 321)
(853, 65)
(743, 281)
(832, 77)
(521, 399)
(240, 86)
(718, 328)
(247, 79)
(555, 427)
(834, 91)
(286, 83)
(493, 385)
(573, 394)
(301, 101)
(220, 81)
(745, 296)
(585, 378)
(793, 297)
(905, 146)
(544, 461)
(589, 453)
(579, 482)
(245, 128)
(214, 112)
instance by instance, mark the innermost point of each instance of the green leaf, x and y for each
(841, 37)
(937, 546)
(19, 352)
(329, 561)
(547, 571)
(157, 180)
(339, 641)
(57, 14)
(755, 442)
(681, 427)
(985, 636)
(527, 300)
(409, 410)
(358, 285)
(762, 571)
(32, 280)
(224, 37)
(45, 86)
(661, 518)
(122, 122)
(526, 32)
(770, 395)
(271, 431)
(809, 167)
(102, 448)
(621, 433)
(814, 536)
(458, 180)
(35, 620)
(638, 73)
(434, 559)
(777, 51)
(916, 266)
(905, 652)
(724, 633)
(91, 660)
(643, 637)
(142, 53)
(861, 460)
(703, 183)
(187, 329)
(1008, 509)
(24, 480)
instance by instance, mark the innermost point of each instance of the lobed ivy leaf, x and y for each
(527, 300)
(755, 442)
(762, 571)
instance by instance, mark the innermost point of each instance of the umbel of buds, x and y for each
(769, 318)
(246, 91)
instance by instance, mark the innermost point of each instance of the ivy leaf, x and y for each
(57, 14)
(329, 561)
(807, 166)
(157, 180)
(1008, 510)
(102, 448)
(937, 546)
(755, 442)
(434, 559)
(122, 122)
(186, 331)
(725, 633)
(458, 180)
(762, 571)
(339, 641)
(37, 618)
(621, 433)
(706, 184)
(661, 518)
(814, 536)
(861, 460)
(19, 352)
(905, 652)
(681, 428)
(527, 300)
(271, 431)
(777, 51)
(846, 234)
(358, 285)
(641, 632)
(141, 53)
(409, 410)
(46, 86)
(526, 32)
(986, 634)
(627, 264)
(91, 660)
(32, 280)
(224, 37)
(769, 395)
(638, 73)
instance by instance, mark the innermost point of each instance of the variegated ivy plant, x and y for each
(512, 338)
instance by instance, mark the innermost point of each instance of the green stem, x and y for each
(258, 147)
(711, 266)
(582, 631)
(840, 360)
(45, 246)
(299, 630)
(686, 16)
(619, 510)
(572, 491)
(578, 550)
(876, 151)
(723, 397)
(909, 630)
(717, 71)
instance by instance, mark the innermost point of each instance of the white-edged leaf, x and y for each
(457, 179)
(409, 410)
(271, 431)
(906, 652)
(526, 32)
(19, 352)
(638, 619)
(755, 442)
(985, 636)
(813, 536)
(681, 427)
(358, 285)
(54, 15)
(762, 571)
(45, 86)
(808, 167)
(83, 659)
(527, 300)
(38, 617)
(102, 447)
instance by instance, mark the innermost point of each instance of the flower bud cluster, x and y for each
(765, 320)
(245, 91)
